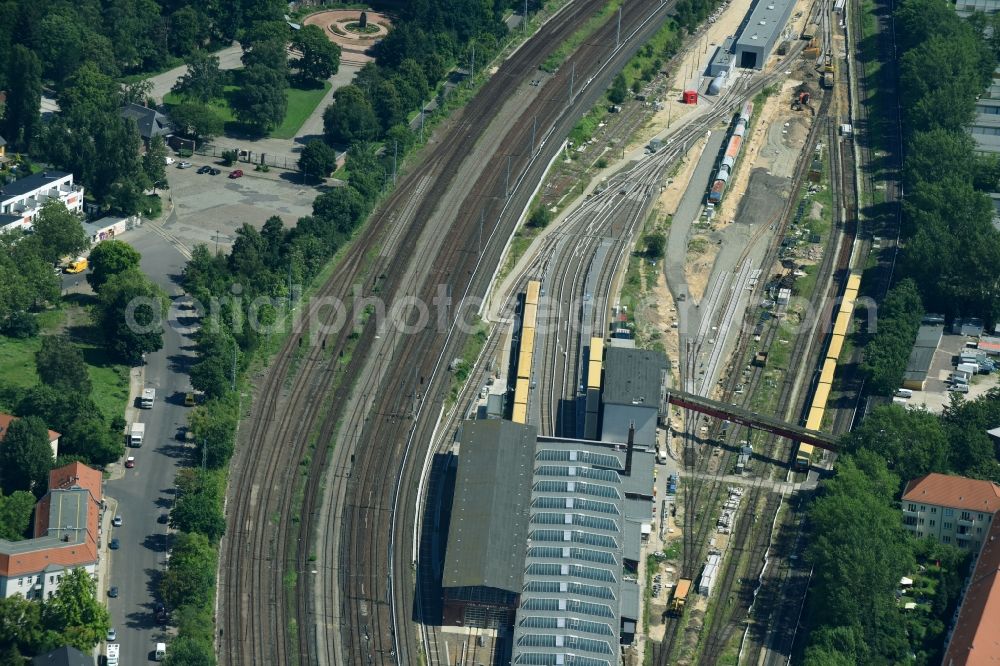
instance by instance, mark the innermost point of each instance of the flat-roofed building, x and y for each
(21, 200)
(950, 509)
(634, 391)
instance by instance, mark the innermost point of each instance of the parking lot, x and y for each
(935, 396)
(208, 209)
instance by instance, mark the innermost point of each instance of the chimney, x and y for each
(628, 448)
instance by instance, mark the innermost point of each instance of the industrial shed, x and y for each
(761, 31)
(921, 357)
(635, 385)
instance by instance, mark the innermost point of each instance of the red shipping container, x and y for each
(690, 96)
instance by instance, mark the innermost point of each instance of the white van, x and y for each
(136, 435)
(904, 393)
(161, 652)
(148, 398)
(112, 654)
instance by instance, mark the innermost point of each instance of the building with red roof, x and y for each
(67, 535)
(950, 509)
(974, 640)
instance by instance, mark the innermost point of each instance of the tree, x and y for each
(320, 57)
(618, 90)
(109, 258)
(889, 431)
(137, 92)
(190, 578)
(87, 96)
(75, 612)
(655, 244)
(92, 440)
(261, 102)
(24, 96)
(203, 80)
(25, 456)
(16, 511)
(130, 312)
(189, 29)
(58, 232)
(213, 373)
(318, 160)
(350, 118)
(540, 217)
(196, 121)
(60, 364)
(154, 162)
(186, 651)
(21, 627)
(197, 508)
(214, 428)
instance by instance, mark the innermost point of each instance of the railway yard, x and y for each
(342, 486)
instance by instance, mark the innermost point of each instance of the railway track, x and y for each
(260, 543)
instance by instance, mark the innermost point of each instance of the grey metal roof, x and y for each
(638, 510)
(640, 481)
(64, 656)
(634, 377)
(763, 25)
(633, 541)
(919, 363)
(618, 418)
(67, 523)
(630, 600)
(30, 183)
(929, 336)
(489, 518)
(150, 121)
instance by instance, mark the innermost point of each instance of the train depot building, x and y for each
(544, 541)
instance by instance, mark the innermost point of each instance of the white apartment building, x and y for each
(21, 200)
(950, 509)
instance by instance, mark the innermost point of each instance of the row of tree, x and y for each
(951, 246)
(887, 350)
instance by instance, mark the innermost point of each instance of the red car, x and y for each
(237, 173)
(130, 462)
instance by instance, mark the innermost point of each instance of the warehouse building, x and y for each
(723, 60)
(545, 538)
(633, 393)
(760, 31)
(921, 356)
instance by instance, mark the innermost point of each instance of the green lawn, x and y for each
(17, 365)
(301, 103)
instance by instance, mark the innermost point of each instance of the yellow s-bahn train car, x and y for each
(803, 457)
(533, 291)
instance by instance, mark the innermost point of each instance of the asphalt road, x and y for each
(147, 490)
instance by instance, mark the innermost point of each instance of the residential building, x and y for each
(545, 539)
(21, 200)
(950, 509)
(7, 419)
(972, 640)
(150, 121)
(64, 656)
(67, 535)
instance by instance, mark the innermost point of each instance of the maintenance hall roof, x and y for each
(765, 21)
(489, 519)
(634, 377)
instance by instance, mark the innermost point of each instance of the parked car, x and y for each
(112, 634)
(113, 591)
(205, 169)
(117, 521)
(184, 165)
(214, 171)
(114, 544)
(236, 173)
(130, 462)
(163, 518)
(189, 399)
